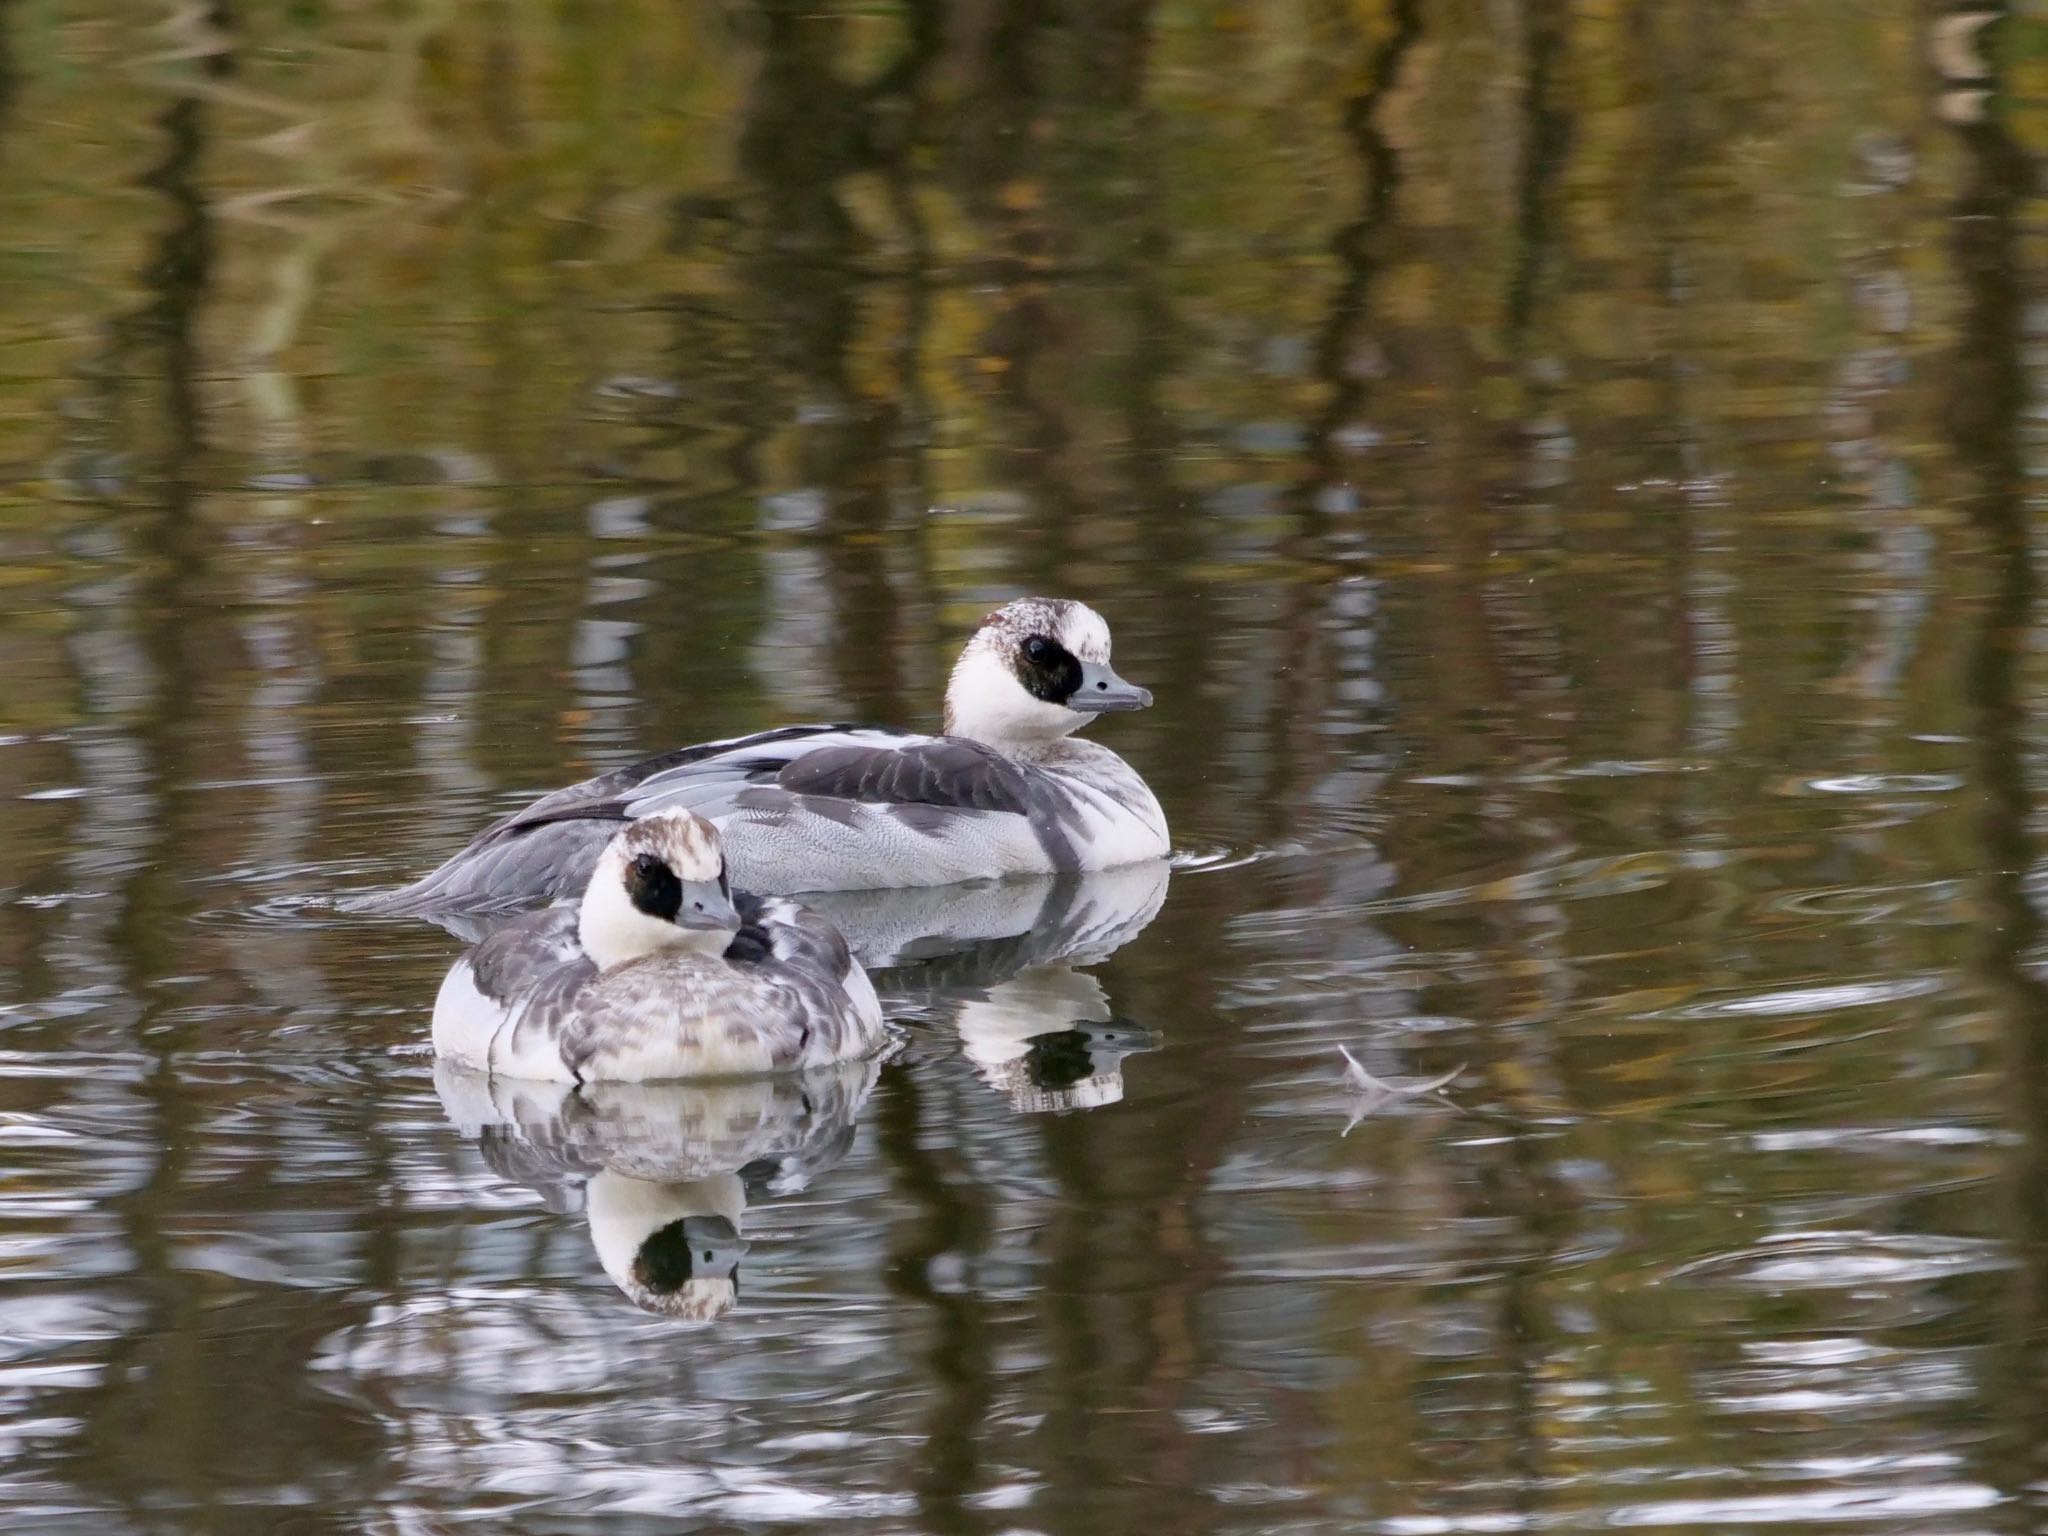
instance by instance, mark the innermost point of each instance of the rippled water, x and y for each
(1569, 473)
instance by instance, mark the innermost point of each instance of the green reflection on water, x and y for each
(1565, 471)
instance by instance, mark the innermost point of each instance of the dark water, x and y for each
(1571, 474)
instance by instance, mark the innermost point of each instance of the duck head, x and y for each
(659, 885)
(1037, 670)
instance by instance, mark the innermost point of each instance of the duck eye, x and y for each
(653, 887)
(1037, 649)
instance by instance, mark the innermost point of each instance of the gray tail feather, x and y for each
(442, 891)
(538, 866)
(424, 898)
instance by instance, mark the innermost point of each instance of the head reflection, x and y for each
(1048, 1041)
(998, 961)
(674, 1249)
(661, 1172)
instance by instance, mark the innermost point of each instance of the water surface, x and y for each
(1568, 473)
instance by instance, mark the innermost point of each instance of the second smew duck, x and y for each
(1006, 789)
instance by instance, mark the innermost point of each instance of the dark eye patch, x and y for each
(686, 1248)
(654, 888)
(1047, 669)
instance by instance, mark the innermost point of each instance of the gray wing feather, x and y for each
(937, 771)
(714, 787)
(508, 962)
(709, 759)
(929, 784)
(545, 851)
(795, 937)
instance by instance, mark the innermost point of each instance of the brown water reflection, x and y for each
(1566, 472)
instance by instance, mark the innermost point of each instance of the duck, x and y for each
(660, 972)
(1006, 788)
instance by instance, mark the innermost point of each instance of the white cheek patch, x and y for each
(612, 929)
(987, 702)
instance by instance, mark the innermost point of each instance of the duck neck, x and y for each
(613, 931)
(985, 703)
(1018, 749)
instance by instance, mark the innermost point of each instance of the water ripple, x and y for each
(1830, 997)
(1833, 1260)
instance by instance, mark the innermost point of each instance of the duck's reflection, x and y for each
(662, 1172)
(991, 930)
(998, 962)
(1048, 1040)
(674, 1249)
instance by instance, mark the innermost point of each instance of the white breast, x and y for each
(1110, 833)
(465, 1021)
(684, 1025)
(1113, 817)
